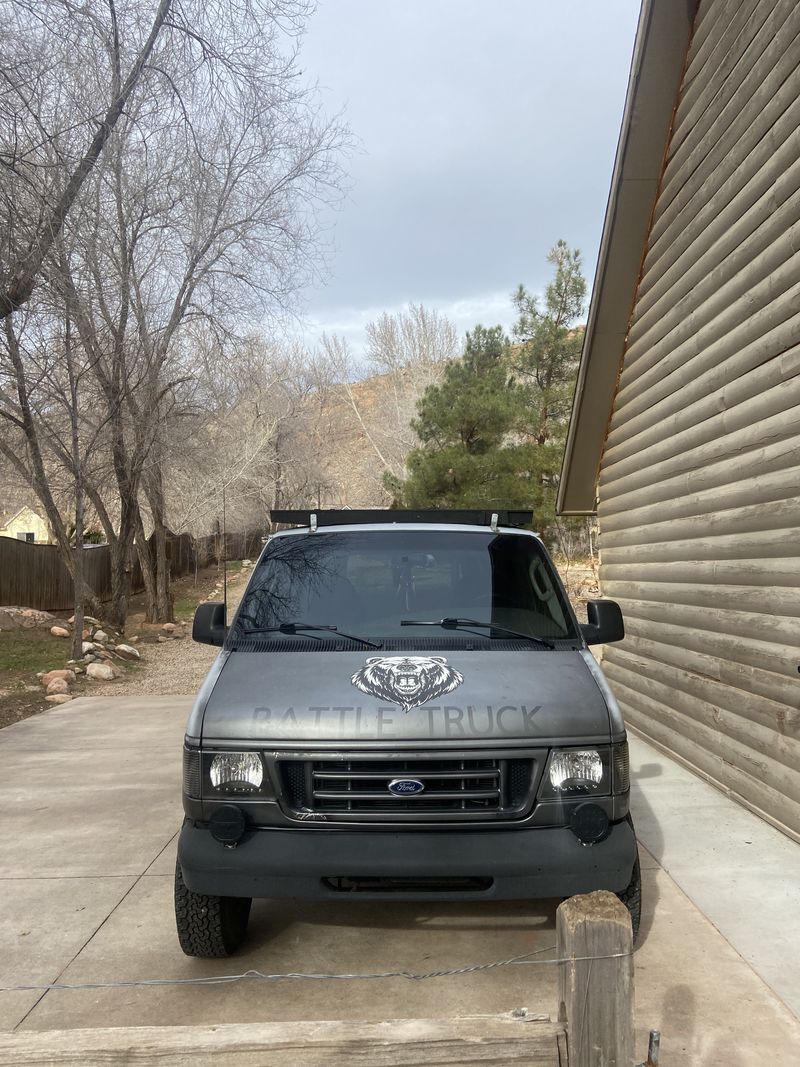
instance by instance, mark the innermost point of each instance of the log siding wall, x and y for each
(699, 484)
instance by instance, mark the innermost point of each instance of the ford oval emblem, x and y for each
(405, 787)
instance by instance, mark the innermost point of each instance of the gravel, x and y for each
(174, 668)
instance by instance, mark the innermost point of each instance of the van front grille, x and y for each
(454, 787)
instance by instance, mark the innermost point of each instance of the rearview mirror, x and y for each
(209, 624)
(605, 623)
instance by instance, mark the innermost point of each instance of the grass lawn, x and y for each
(22, 654)
(31, 651)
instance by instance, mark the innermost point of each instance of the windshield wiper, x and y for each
(464, 624)
(302, 627)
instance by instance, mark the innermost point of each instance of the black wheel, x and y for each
(631, 897)
(209, 926)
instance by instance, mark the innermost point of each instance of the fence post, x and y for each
(594, 938)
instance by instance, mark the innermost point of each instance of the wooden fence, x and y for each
(594, 1028)
(34, 576)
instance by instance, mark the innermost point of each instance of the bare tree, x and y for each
(201, 208)
(35, 210)
(406, 352)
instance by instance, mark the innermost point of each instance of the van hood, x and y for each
(469, 696)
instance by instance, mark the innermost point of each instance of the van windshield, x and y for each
(368, 582)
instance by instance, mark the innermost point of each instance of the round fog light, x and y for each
(227, 824)
(590, 824)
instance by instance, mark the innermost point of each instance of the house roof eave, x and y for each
(659, 55)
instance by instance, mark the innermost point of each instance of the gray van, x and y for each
(403, 707)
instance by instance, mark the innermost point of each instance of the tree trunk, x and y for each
(78, 582)
(154, 490)
(117, 610)
(148, 569)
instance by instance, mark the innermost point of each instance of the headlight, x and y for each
(579, 772)
(576, 771)
(236, 772)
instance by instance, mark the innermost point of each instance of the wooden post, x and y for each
(596, 982)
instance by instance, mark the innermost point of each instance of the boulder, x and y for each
(101, 636)
(89, 657)
(63, 674)
(87, 646)
(161, 639)
(168, 627)
(59, 631)
(58, 698)
(102, 672)
(178, 635)
(16, 618)
(58, 685)
(127, 652)
(134, 639)
(247, 563)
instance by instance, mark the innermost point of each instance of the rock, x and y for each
(89, 657)
(168, 627)
(134, 639)
(178, 635)
(118, 671)
(87, 646)
(58, 685)
(162, 640)
(247, 563)
(16, 618)
(101, 636)
(63, 674)
(80, 670)
(58, 698)
(103, 672)
(103, 653)
(59, 631)
(127, 652)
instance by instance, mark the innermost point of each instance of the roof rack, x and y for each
(315, 518)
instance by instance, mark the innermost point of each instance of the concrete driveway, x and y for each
(90, 796)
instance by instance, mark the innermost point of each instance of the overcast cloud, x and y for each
(487, 131)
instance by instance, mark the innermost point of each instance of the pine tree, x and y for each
(550, 345)
(492, 433)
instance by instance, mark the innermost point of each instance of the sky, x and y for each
(486, 131)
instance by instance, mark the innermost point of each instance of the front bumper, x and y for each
(520, 863)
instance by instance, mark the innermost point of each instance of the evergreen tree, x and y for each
(550, 345)
(467, 426)
(492, 433)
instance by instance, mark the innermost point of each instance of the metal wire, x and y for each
(259, 976)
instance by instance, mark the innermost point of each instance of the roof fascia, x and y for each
(659, 56)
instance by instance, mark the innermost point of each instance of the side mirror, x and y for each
(605, 623)
(209, 624)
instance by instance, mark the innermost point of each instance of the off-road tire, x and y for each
(631, 897)
(209, 927)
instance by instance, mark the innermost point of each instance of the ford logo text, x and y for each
(405, 787)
